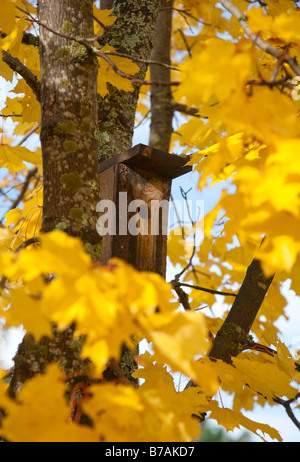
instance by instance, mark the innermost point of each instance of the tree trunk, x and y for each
(132, 33)
(69, 121)
(161, 96)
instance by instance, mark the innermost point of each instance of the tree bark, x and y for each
(70, 161)
(106, 4)
(161, 96)
(69, 121)
(232, 337)
(132, 33)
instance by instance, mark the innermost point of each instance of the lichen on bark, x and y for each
(33, 356)
(132, 33)
(69, 162)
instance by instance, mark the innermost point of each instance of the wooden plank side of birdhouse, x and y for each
(148, 216)
(138, 181)
(108, 187)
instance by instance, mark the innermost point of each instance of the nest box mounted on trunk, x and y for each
(135, 191)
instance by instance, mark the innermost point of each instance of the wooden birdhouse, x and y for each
(135, 191)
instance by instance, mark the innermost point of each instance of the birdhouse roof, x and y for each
(152, 160)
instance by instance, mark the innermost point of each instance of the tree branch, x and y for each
(30, 175)
(86, 42)
(176, 284)
(242, 313)
(233, 336)
(184, 109)
(28, 134)
(29, 77)
(287, 406)
(182, 296)
(28, 38)
(140, 60)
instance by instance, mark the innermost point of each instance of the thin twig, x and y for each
(27, 243)
(203, 289)
(177, 216)
(28, 134)
(184, 109)
(271, 83)
(189, 264)
(11, 115)
(132, 77)
(86, 40)
(188, 49)
(80, 40)
(30, 175)
(287, 406)
(193, 222)
(143, 119)
(140, 60)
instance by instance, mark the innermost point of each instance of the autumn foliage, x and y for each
(236, 67)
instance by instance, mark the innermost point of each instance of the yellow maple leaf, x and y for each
(29, 55)
(43, 417)
(267, 125)
(284, 359)
(13, 157)
(31, 108)
(13, 41)
(268, 187)
(153, 412)
(231, 379)
(7, 239)
(231, 419)
(102, 18)
(31, 318)
(97, 299)
(278, 254)
(265, 378)
(26, 221)
(179, 248)
(285, 26)
(106, 73)
(205, 377)
(218, 161)
(195, 133)
(178, 338)
(7, 17)
(12, 106)
(58, 253)
(217, 79)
